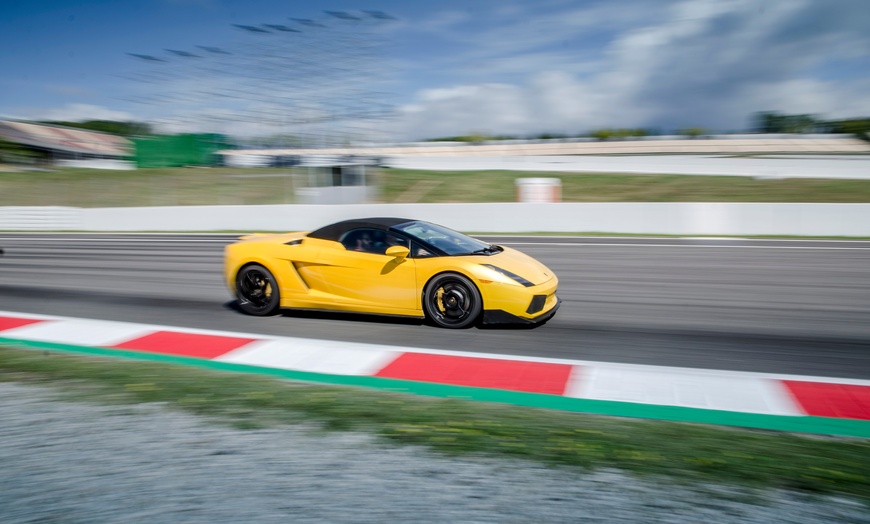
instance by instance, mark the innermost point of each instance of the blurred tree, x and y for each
(606, 134)
(859, 127)
(774, 122)
(16, 153)
(473, 137)
(550, 136)
(693, 132)
(602, 134)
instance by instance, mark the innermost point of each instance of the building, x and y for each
(71, 147)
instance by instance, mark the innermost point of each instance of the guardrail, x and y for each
(726, 219)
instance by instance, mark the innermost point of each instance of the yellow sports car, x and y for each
(390, 266)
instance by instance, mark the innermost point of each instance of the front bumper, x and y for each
(499, 316)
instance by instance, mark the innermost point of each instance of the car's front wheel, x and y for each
(257, 290)
(452, 301)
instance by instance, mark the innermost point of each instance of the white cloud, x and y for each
(699, 63)
(828, 99)
(490, 108)
(526, 68)
(550, 102)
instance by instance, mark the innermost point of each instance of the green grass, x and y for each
(499, 186)
(147, 187)
(218, 186)
(679, 452)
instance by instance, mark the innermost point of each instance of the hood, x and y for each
(520, 264)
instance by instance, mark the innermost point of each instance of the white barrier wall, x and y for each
(633, 218)
(99, 163)
(45, 218)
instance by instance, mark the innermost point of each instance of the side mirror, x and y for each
(399, 252)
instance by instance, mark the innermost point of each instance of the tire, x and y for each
(257, 291)
(452, 301)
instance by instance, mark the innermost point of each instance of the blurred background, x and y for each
(592, 119)
(281, 100)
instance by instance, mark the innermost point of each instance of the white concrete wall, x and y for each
(728, 144)
(336, 194)
(102, 163)
(770, 166)
(44, 218)
(637, 218)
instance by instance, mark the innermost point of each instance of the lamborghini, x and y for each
(390, 266)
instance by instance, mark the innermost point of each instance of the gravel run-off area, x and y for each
(68, 462)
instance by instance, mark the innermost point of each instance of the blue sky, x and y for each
(445, 68)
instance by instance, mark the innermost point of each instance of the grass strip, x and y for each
(499, 186)
(252, 186)
(682, 452)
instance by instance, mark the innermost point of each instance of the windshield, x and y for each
(447, 240)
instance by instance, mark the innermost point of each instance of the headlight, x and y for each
(512, 276)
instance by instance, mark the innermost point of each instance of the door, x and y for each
(367, 279)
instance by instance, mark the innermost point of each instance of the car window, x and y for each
(368, 240)
(418, 251)
(395, 240)
(359, 240)
(444, 239)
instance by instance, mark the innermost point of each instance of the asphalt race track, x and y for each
(776, 306)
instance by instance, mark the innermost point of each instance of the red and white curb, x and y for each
(759, 393)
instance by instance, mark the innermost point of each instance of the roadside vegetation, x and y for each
(236, 186)
(499, 186)
(677, 452)
(771, 122)
(78, 187)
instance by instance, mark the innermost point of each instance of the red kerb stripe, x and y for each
(531, 377)
(14, 322)
(185, 344)
(831, 400)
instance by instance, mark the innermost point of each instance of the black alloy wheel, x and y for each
(257, 290)
(452, 301)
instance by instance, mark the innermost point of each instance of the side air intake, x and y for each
(537, 304)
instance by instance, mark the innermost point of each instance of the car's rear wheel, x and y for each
(452, 301)
(257, 290)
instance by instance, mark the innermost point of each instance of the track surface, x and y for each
(800, 307)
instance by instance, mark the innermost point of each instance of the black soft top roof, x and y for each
(335, 231)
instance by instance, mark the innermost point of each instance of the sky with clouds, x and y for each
(438, 69)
